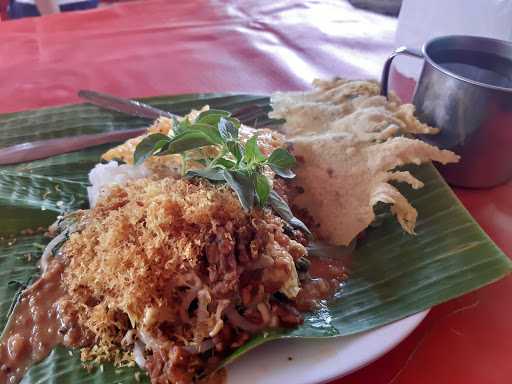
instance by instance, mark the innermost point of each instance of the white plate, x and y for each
(318, 361)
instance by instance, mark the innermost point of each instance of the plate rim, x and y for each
(411, 322)
(382, 339)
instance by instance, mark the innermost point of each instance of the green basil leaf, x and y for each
(280, 206)
(225, 163)
(236, 150)
(179, 126)
(146, 147)
(282, 159)
(160, 146)
(211, 119)
(243, 186)
(296, 223)
(252, 153)
(188, 140)
(262, 188)
(228, 131)
(234, 121)
(283, 172)
(207, 129)
(213, 174)
(212, 111)
(283, 210)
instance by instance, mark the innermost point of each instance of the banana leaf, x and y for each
(392, 274)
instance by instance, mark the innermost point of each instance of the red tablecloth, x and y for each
(172, 46)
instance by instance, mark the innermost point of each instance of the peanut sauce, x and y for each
(36, 326)
(326, 275)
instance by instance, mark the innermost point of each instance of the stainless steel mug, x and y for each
(465, 89)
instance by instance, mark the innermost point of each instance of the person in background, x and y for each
(31, 8)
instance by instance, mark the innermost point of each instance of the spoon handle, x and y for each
(42, 149)
(130, 107)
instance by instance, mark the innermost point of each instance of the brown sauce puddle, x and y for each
(326, 276)
(36, 326)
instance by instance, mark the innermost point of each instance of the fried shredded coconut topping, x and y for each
(345, 137)
(172, 269)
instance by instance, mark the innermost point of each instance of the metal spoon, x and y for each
(46, 148)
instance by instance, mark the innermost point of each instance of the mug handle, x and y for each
(387, 66)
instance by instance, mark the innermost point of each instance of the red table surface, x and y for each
(171, 46)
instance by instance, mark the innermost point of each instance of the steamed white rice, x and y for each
(103, 176)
